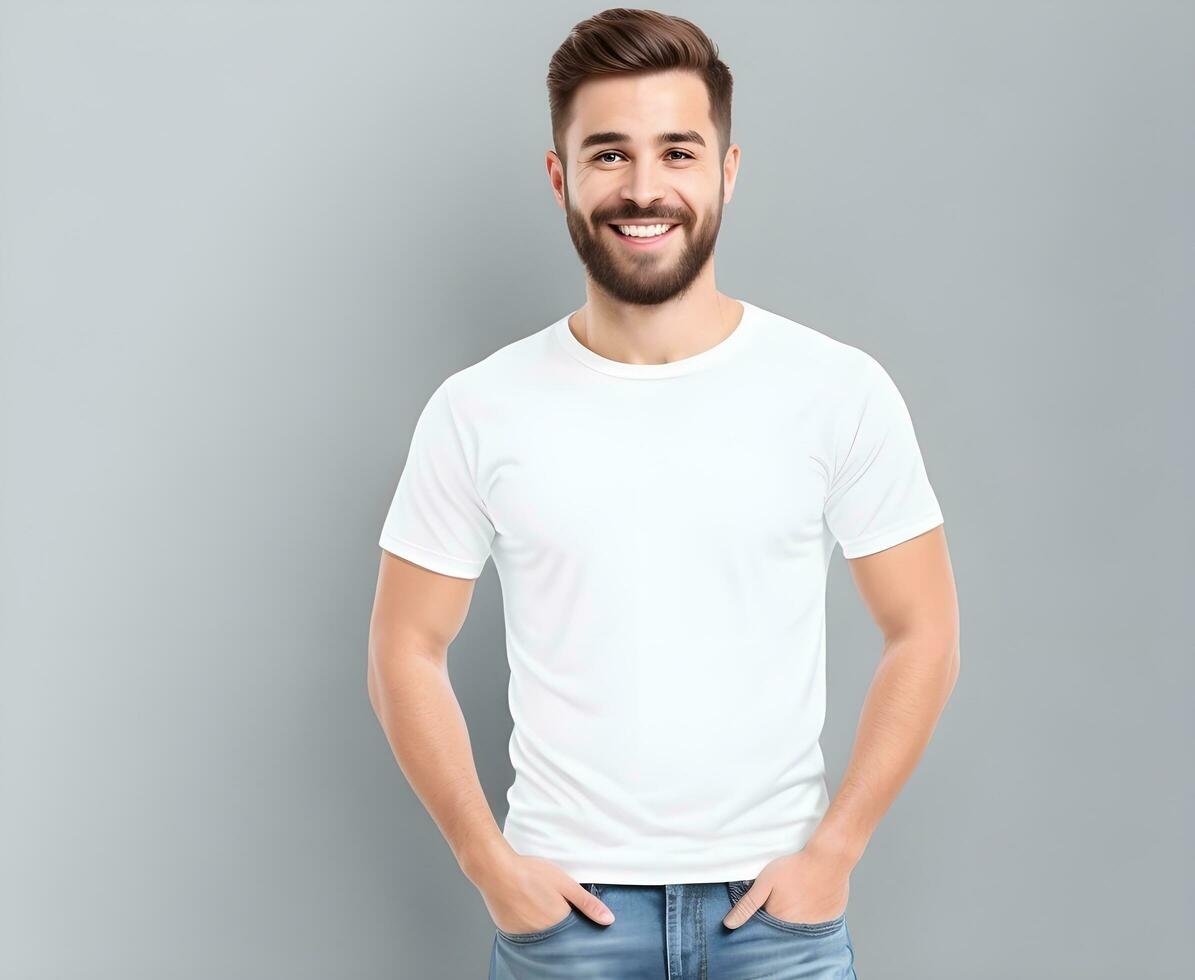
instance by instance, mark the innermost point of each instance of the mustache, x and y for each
(643, 216)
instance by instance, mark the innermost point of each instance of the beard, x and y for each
(644, 278)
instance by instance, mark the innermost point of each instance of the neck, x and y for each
(670, 331)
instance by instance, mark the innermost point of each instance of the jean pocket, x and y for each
(737, 889)
(539, 935)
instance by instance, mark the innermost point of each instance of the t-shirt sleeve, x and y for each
(437, 518)
(879, 493)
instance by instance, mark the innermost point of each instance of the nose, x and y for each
(642, 187)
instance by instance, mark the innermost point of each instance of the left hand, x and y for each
(808, 886)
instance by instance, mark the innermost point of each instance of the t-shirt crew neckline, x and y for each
(685, 365)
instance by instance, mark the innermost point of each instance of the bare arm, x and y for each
(910, 592)
(417, 613)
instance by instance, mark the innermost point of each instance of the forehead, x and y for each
(640, 105)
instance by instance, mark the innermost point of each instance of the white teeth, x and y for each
(643, 231)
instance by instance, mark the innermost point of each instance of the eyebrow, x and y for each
(692, 136)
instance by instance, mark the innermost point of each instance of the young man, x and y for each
(660, 477)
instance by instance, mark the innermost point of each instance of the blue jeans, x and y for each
(675, 932)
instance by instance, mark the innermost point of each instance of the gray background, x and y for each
(242, 243)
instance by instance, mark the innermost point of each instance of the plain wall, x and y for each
(241, 243)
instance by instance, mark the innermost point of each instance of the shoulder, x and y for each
(481, 387)
(813, 353)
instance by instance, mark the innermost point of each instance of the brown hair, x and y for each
(625, 40)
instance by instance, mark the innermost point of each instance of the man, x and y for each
(660, 477)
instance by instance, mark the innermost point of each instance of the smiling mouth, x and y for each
(645, 233)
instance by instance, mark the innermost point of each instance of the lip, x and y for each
(643, 243)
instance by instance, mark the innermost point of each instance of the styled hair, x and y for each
(623, 40)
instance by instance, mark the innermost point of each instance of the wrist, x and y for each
(837, 848)
(478, 860)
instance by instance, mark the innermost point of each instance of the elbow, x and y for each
(943, 640)
(935, 650)
(956, 662)
(372, 686)
(952, 656)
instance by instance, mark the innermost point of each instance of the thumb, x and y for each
(747, 905)
(587, 902)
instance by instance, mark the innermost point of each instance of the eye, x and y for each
(600, 158)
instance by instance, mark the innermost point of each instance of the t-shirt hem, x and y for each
(434, 560)
(891, 536)
(659, 869)
(587, 874)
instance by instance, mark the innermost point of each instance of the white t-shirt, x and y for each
(662, 534)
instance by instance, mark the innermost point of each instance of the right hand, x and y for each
(527, 894)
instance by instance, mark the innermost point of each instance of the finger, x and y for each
(588, 903)
(747, 905)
